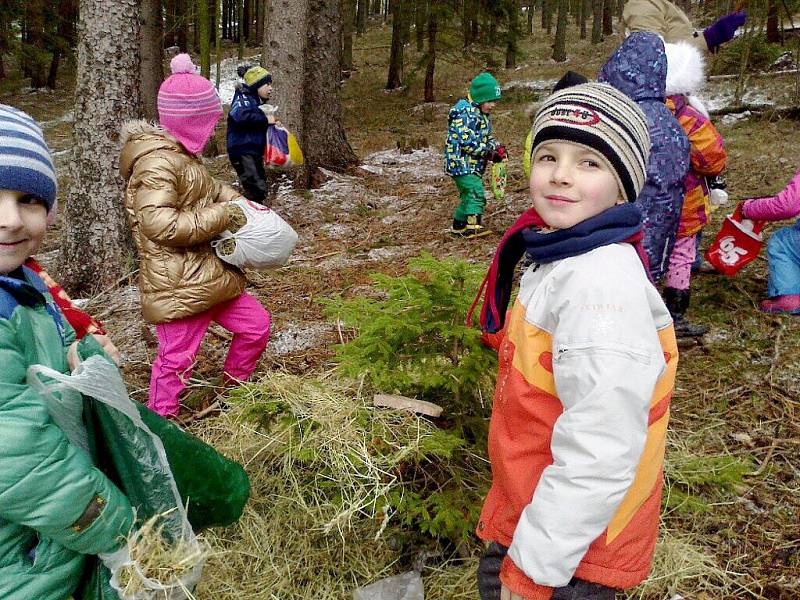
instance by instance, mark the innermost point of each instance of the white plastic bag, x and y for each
(265, 241)
(407, 586)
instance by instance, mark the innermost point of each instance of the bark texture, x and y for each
(151, 49)
(96, 247)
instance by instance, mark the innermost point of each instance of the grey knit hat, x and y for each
(25, 161)
(602, 118)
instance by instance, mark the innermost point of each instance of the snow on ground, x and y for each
(537, 85)
(228, 76)
(425, 163)
(294, 337)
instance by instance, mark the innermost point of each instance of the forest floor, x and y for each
(734, 499)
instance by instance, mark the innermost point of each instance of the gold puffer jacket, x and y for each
(175, 209)
(663, 18)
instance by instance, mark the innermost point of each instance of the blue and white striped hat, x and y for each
(25, 161)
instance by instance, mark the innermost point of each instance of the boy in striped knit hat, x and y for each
(56, 507)
(587, 365)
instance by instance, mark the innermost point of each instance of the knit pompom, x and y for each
(182, 63)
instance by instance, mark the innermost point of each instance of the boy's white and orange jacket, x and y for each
(577, 434)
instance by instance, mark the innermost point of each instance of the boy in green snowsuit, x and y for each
(470, 145)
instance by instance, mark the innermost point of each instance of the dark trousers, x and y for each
(252, 178)
(489, 584)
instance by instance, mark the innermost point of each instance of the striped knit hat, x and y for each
(188, 105)
(602, 118)
(25, 161)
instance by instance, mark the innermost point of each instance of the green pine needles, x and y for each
(414, 341)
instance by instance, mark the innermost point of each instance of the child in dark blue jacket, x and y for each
(247, 131)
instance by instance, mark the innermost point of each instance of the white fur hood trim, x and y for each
(686, 68)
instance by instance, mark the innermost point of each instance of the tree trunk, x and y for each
(586, 8)
(303, 39)
(34, 54)
(513, 34)
(169, 23)
(203, 32)
(430, 67)
(420, 16)
(363, 10)
(560, 45)
(182, 25)
(151, 50)
(348, 20)
(597, 21)
(96, 246)
(773, 31)
(239, 34)
(531, 5)
(218, 42)
(608, 25)
(395, 78)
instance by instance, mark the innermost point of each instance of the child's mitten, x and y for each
(500, 154)
(723, 29)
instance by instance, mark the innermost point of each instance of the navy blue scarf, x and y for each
(620, 223)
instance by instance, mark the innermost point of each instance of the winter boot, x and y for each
(789, 303)
(474, 228)
(677, 302)
(459, 227)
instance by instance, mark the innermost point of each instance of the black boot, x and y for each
(677, 302)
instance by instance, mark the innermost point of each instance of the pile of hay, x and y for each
(322, 463)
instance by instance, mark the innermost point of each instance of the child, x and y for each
(247, 132)
(783, 248)
(638, 68)
(175, 209)
(470, 144)
(685, 76)
(671, 23)
(55, 506)
(587, 365)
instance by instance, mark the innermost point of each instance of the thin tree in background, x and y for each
(560, 45)
(430, 59)
(96, 245)
(585, 9)
(512, 37)
(348, 8)
(34, 55)
(218, 41)
(361, 18)
(597, 21)
(395, 77)
(203, 33)
(420, 16)
(152, 56)
(608, 26)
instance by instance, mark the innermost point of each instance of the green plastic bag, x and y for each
(499, 178)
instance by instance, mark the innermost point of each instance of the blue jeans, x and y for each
(783, 259)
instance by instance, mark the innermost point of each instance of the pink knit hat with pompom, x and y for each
(188, 105)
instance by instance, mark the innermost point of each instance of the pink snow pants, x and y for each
(679, 272)
(179, 341)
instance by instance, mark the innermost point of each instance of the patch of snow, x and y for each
(294, 337)
(228, 77)
(422, 163)
(334, 230)
(372, 169)
(67, 117)
(724, 99)
(377, 254)
(735, 118)
(537, 85)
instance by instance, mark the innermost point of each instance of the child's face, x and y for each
(486, 107)
(265, 91)
(23, 219)
(570, 183)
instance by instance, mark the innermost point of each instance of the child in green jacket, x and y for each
(469, 147)
(55, 506)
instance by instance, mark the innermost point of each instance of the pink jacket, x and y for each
(775, 208)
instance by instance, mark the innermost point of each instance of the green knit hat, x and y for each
(484, 88)
(255, 77)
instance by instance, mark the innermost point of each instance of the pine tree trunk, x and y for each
(531, 5)
(35, 55)
(597, 21)
(363, 10)
(608, 25)
(309, 90)
(560, 45)
(586, 8)
(773, 31)
(151, 51)
(239, 34)
(96, 246)
(218, 42)
(395, 78)
(203, 33)
(182, 25)
(430, 66)
(169, 23)
(3, 41)
(348, 20)
(513, 34)
(420, 16)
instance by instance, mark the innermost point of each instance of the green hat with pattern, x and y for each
(484, 88)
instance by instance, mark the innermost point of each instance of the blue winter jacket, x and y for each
(247, 124)
(638, 68)
(469, 140)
